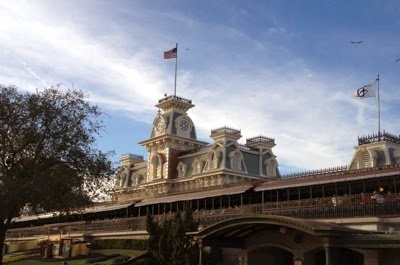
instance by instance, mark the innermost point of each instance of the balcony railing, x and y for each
(360, 205)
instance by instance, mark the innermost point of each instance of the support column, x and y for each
(200, 251)
(329, 252)
(327, 255)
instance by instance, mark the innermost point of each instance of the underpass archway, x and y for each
(279, 240)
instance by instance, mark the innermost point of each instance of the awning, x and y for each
(195, 195)
(302, 182)
(95, 209)
(105, 208)
(35, 217)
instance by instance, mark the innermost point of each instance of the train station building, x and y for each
(252, 213)
(249, 213)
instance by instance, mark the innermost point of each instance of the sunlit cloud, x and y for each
(264, 77)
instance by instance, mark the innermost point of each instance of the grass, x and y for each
(36, 260)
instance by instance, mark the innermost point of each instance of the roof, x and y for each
(36, 217)
(196, 195)
(105, 208)
(346, 176)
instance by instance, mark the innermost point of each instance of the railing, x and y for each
(132, 156)
(225, 130)
(81, 227)
(258, 139)
(244, 147)
(176, 98)
(317, 173)
(381, 136)
(360, 205)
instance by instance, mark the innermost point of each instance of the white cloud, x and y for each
(256, 81)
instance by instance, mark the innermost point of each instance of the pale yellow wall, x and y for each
(22, 246)
(79, 249)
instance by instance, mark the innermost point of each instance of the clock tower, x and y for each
(173, 132)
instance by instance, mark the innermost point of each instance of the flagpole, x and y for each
(379, 113)
(176, 67)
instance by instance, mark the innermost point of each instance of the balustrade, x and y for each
(360, 205)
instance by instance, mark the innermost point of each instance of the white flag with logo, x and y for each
(365, 91)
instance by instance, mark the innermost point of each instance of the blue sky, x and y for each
(282, 69)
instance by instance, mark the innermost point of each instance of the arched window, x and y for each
(119, 179)
(137, 179)
(396, 156)
(235, 159)
(271, 167)
(129, 180)
(122, 177)
(157, 166)
(181, 170)
(196, 165)
(366, 159)
(212, 160)
(140, 179)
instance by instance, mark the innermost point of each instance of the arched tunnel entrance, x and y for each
(279, 240)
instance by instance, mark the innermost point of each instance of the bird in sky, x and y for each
(397, 60)
(357, 42)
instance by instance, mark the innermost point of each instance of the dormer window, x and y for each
(181, 170)
(235, 160)
(122, 178)
(366, 159)
(212, 160)
(271, 167)
(140, 179)
(196, 166)
(137, 179)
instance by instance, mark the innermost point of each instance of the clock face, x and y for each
(184, 125)
(160, 125)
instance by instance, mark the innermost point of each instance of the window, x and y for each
(196, 166)
(181, 169)
(157, 164)
(235, 159)
(212, 160)
(366, 159)
(271, 166)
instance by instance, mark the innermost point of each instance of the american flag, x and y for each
(171, 53)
